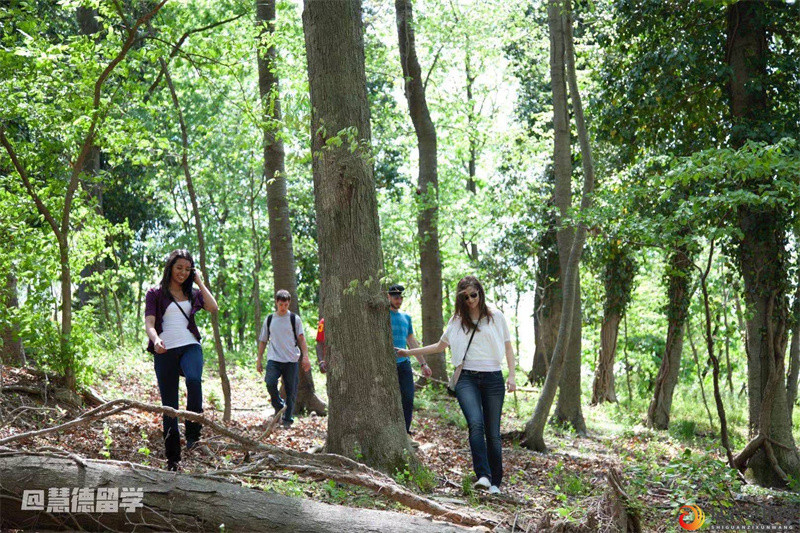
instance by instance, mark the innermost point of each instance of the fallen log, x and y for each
(173, 502)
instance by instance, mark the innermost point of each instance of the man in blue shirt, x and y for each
(403, 337)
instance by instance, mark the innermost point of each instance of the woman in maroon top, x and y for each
(175, 344)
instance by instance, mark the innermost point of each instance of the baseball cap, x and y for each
(396, 289)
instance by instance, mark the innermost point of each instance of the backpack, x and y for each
(292, 318)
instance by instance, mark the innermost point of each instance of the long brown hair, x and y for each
(462, 309)
(186, 286)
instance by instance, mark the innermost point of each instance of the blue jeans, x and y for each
(406, 378)
(481, 395)
(187, 361)
(289, 371)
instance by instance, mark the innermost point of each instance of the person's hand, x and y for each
(305, 363)
(159, 346)
(323, 367)
(198, 277)
(259, 366)
(426, 371)
(511, 383)
(400, 352)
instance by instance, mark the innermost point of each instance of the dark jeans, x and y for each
(187, 361)
(406, 378)
(289, 371)
(480, 395)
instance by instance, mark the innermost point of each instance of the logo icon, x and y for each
(691, 518)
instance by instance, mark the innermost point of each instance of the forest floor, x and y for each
(661, 472)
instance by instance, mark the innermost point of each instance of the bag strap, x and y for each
(171, 297)
(469, 344)
(292, 318)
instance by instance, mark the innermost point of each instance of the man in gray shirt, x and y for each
(283, 332)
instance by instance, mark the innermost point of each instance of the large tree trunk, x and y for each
(430, 263)
(562, 61)
(680, 269)
(761, 253)
(179, 502)
(280, 227)
(568, 407)
(365, 418)
(11, 350)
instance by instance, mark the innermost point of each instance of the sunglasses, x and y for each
(473, 296)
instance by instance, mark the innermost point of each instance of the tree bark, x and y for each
(201, 244)
(562, 55)
(180, 502)
(280, 227)
(430, 263)
(568, 406)
(365, 415)
(679, 278)
(603, 389)
(761, 253)
(11, 350)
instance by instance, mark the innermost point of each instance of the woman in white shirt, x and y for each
(479, 339)
(175, 344)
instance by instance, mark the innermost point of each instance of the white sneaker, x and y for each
(483, 483)
(494, 489)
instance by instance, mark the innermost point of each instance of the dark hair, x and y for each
(283, 295)
(186, 286)
(462, 309)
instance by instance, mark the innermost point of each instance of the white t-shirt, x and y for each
(282, 346)
(175, 327)
(488, 348)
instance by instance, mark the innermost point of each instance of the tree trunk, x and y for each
(430, 263)
(352, 300)
(568, 407)
(547, 305)
(794, 356)
(222, 289)
(618, 274)
(280, 227)
(11, 350)
(761, 253)
(680, 268)
(471, 247)
(603, 389)
(179, 502)
(562, 58)
(201, 244)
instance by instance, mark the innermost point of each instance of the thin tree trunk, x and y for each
(794, 356)
(11, 350)
(471, 247)
(352, 300)
(562, 52)
(280, 227)
(700, 375)
(201, 244)
(678, 293)
(761, 254)
(430, 263)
